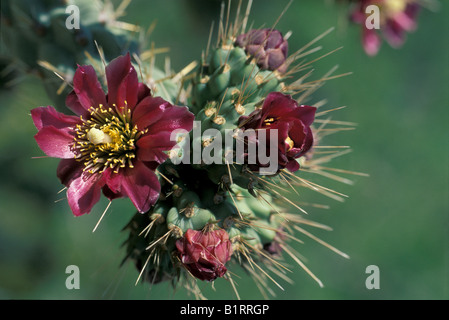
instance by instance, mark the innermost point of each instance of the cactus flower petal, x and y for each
(56, 143)
(156, 114)
(84, 192)
(152, 147)
(371, 42)
(122, 82)
(292, 121)
(140, 184)
(88, 90)
(48, 116)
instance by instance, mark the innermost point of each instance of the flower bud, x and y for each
(204, 253)
(267, 46)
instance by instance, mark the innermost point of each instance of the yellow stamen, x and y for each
(290, 142)
(269, 121)
(106, 140)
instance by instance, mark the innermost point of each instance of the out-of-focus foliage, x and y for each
(396, 219)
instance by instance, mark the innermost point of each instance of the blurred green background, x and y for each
(397, 218)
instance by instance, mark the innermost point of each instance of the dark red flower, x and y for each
(116, 140)
(292, 121)
(205, 253)
(267, 46)
(396, 17)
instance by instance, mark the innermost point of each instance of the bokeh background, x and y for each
(397, 218)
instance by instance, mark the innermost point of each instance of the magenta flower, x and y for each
(292, 121)
(396, 17)
(267, 46)
(205, 253)
(115, 142)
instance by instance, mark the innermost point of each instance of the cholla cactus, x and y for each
(236, 88)
(205, 214)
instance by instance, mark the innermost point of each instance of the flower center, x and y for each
(106, 140)
(393, 7)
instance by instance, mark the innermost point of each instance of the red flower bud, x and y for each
(267, 46)
(204, 253)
